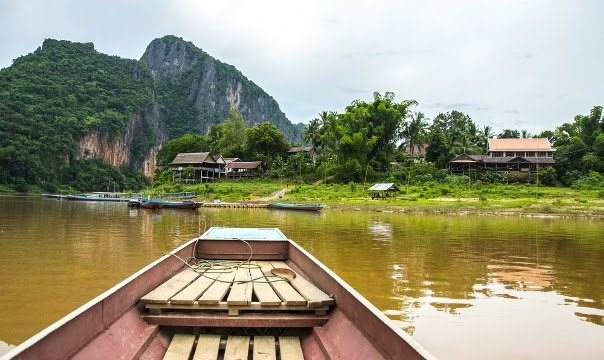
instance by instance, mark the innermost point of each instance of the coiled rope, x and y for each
(202, 267)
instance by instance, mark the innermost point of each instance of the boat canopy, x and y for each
(224, 233)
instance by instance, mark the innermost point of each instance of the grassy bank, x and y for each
(426, 198)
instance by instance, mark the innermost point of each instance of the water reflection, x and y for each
(463, 286)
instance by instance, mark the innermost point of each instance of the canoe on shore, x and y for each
(304, 207)
(254, 292)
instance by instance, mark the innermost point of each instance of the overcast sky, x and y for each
(530, 64)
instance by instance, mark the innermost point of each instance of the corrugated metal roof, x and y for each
(243, 165)
(193, 158)
(538, 144)
(244, 233)
(383, 187)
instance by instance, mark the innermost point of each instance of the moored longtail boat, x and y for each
(305, 207)
(188, 205)
(95, 198)
(151, 203)
(233, 302)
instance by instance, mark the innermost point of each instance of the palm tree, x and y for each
(328, 131)
(414, 131)
(312, 133)
(485, 134)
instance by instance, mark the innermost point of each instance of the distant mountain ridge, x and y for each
(66, 102)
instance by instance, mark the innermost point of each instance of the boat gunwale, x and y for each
(63, 321)
(90, 304)
(414, 344)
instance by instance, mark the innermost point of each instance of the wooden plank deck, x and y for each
(213, 347)
(237, 286)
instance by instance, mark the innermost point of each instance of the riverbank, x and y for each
(491, 199)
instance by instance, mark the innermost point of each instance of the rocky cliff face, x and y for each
(195, 90)
(137, 146)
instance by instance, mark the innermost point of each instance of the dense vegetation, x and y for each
(51, 98)
(231, 138)
(360, 144)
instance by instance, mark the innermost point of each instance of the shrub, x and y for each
(21, 185)
(456, 179)
(593, 180)
(492, 177)
(571, 176)
(441, 174)
(547, 176)
(516, 176)
(352, 186)
(423, 178)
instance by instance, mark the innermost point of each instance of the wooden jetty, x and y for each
(241, 205)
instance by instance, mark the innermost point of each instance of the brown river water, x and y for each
(463, 286)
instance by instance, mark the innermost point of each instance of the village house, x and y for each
(243, 168)
(521, 157)
(417, 151)
(228, 161)
(304, 149)
(197, 167)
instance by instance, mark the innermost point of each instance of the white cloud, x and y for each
(540, 58)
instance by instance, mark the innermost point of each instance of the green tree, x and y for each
(312, 133)
(232, 135)
(509, 134)
(185, 144)
(438, 151)
(461, 132)
(368, 132)
(265, 142)
(581, 140)
(486, 133)
(414, 131)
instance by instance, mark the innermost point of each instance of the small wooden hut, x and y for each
(383, 191)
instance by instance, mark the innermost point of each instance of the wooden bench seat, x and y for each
(235, 287)
(212, 347)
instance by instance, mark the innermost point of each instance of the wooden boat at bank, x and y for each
(95, 198)
(231, 304)
(184, 205)
(157, 204)
(54, 196)
(151, 203)
(305, 207)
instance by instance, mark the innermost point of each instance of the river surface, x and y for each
(463, 286)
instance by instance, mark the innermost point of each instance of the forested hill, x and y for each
(196, 91)
(64, 93)
(70, 115)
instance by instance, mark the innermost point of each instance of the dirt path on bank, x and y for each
(276, 195)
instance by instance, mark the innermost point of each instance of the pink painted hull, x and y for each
(113, 325)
